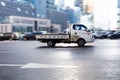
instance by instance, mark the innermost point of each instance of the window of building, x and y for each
(22, 29)
(26, 12)
(33, 14)
(18, 9)
(1, 28)
(16, 21)
(3, 3)
(32, 6)
(43, 16)
(44, 29)
(29, 29)
(5, 28)
(38, 15)
(40, 2)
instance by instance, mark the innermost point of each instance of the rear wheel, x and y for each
(50, 43)
(81, 42)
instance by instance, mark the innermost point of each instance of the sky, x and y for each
(105, 14)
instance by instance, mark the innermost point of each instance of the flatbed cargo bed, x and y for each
(52, 36)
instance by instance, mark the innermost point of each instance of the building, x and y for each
(71, 15)
(56, 14)
(51, 4)
(45, 9)
(86, 10)
(27, 24)
(40, 8)
(58, 17)
(79, 3)
(60, 2)
(88, 6)
(118, 14)
(15, 8)
(8, 8)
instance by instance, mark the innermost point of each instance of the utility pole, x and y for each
(109, 26)
(51, 29)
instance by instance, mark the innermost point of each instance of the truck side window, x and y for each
(79, 27)
(76, 27)
(83, 28)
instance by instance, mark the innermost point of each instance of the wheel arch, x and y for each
(81, 39)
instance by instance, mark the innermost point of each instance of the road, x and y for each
(31, 60)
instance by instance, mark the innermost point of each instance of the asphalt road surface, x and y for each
(31, 60)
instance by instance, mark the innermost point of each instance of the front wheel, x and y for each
(50, 43)
(24, 39)
(81, 42)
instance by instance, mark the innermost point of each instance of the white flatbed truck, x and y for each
(77, 33)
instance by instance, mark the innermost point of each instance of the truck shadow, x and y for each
(46, 47)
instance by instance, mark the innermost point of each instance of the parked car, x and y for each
(8, 36)
(111, 33)
(106, 35)
(116, 35)
(102, 36)
(31, 36)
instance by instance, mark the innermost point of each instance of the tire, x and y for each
(113, 38)
(81, 42)
(24, 39)
(10, 39)
(50, 43)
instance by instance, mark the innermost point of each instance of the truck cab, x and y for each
(79, 31)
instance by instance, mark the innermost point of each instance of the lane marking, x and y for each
(11, 65)
(6, 41)
(37, 65)
(7, 52)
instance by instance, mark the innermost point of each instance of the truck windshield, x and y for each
(79, 27)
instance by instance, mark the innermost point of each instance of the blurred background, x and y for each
(54, 16)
